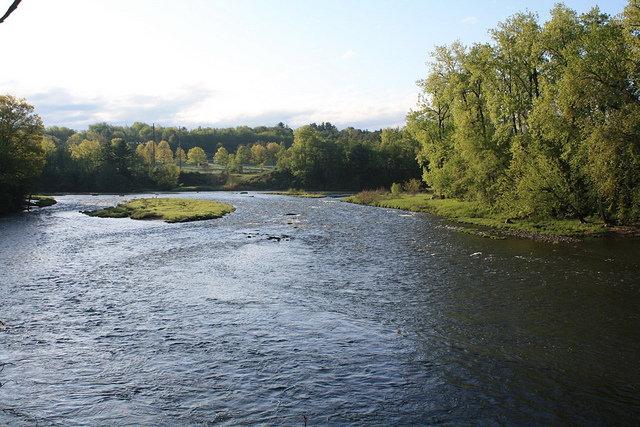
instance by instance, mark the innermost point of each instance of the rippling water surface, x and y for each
(293, 310)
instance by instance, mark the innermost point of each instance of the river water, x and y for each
(292, 311)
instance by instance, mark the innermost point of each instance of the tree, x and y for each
(273, 149)
(222, 156)
(181, 156)
(167, 176)
(119, 154)
(21, 153)
(163, 153)
(197, 155)
(243, 155)
(543, 122)
(313, 157)
(151, 152)
(88, 154)
(258, 154)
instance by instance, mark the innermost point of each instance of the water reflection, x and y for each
(351, 315)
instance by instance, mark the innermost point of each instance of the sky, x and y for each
(227, 63)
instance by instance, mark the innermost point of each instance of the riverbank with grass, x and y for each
(167, 209)
(475, 218)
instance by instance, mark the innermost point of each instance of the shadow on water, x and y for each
(295, 310)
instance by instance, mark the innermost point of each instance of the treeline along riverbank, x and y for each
(543, 122)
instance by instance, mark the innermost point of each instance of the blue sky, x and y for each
(238, 62)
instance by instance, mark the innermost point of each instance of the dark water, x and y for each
(292, 308)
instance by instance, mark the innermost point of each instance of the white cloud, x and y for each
(469, 20)
(349, 54)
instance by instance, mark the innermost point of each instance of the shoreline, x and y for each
(477, 220)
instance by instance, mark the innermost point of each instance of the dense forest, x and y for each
(116, 158)
(142, 157)
(543, 121)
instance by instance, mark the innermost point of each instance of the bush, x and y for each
(396, 188)
(368, 197)
(411, 186)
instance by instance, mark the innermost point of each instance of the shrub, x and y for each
(396, 188)
(412, 186)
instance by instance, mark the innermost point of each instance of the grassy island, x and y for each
(167, 209)
(300, 193)
(490, 223)
(42, 201)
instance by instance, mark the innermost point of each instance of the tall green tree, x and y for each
(222, 156)
(21, 153)
(88, 154)
(180, 157)
(544, 121)
(163, 152)
(197, 155)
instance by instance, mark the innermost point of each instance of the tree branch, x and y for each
(13, 7)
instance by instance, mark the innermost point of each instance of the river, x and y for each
(292, 311)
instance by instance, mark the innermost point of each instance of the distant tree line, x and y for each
(543, 121)
(315, 157)
(323, 157)
(123, 158)
(207, 138)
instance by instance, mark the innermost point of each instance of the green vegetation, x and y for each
(324, 158)
(42, 201)
(543, 122)
(167, 209)
(109, 158)
(300, 193)
(540, 127)
(479, 215)
(21, 152)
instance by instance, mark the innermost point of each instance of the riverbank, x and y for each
(167, 209)
(491, 224)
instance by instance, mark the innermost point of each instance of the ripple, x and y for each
(360, 316)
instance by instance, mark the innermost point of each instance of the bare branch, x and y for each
(13, 7)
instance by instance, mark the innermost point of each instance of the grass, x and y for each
(300, 193)
(167, 209)
(487, 222)
(42, 201)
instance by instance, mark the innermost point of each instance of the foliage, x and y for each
(21, 152)
(412, 186)
(349, 159)
(166, 176)
(479, 215)
(543, 122)
(196, 155)
(164, 153)
(42, 201)
(182, 157)
(322, 157)
(221, 156)
(368, 197)
(396, 188)
(295, 192)
(167, 209)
